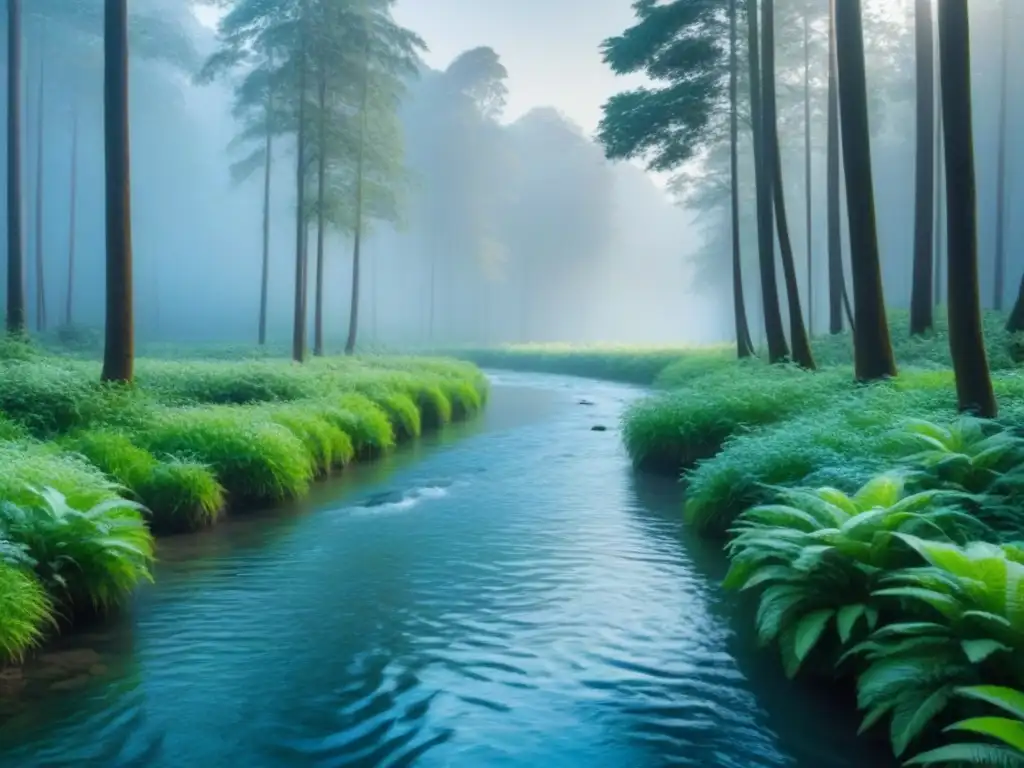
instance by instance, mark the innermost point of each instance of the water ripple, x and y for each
(513, 599)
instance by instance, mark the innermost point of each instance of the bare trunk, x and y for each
(966, 340)
(1000, 255)
(15, 239)
(873, 356)
(318, 311)
(119, 347)
(836, 278)
(921, 307)
(265, 270)
(940, 199)
(299, 327)
(773, 163)
(353, 319)
(40, 151)
(778, 350)
(744, 346)
(72, 222)
(807, 176)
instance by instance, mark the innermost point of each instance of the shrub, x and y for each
(364, 421)
(25, 610)
(254, 459)
(180, 496)
(1006, 732)
(115, 454)
(328, 444)
(27, 465)
(96, 556)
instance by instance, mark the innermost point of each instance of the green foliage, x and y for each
(25, 610)
(93, 557)
(818, 556)
(1007, 732)
(328, 445)
(181, 496)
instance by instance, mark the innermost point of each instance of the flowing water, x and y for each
(507, 594)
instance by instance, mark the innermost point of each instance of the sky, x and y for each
(550, 47)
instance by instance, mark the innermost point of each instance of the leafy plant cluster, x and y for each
(913, 583)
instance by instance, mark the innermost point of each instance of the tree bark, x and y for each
(1000, 255)
(873, 356)
(15, 239)
(940, 213)
(836, 278)
(807, 176)
(299, 328)
(72, 219)
(921, 305)
(778, 349)
(318, 311)
(353, 317)
(966, 339)
(265, 268)
(797, 332)
(119, 346)
(40, 152)
(744, 346)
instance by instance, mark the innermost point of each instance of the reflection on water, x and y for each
(507, 594)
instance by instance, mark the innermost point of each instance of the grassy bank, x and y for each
(89, 473)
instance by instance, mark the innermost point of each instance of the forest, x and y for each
(793, 240)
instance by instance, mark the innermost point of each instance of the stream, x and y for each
(506, 593)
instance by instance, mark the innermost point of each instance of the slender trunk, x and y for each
(40, 143)
(940, 213)
(873, 356)
(744, 346)
(72, 222)
(836, 278)
(778, 350)
(433, 294)
(773, 164)
(119, 347)
(966, 340)
(807, 176)
(921, 308)
(299, 328)
(1000, 255)
(353, 318)
(15, 241)
(318, 311)
(265, 270)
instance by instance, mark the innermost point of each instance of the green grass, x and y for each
(89, 472)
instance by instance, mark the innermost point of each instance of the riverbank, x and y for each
(875, 527)
(89, 473)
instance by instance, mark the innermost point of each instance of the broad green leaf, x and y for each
(979, 650)
(944, 604)
(1007, 699)
(988, 755)
(809, 630)
(911, 717)
(1010, 732)
(846, 619)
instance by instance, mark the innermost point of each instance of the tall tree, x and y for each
(40, 176)
(72, 218)
(808, 210)
(873, 356)
(778, 349)
(744, 344)
(771, 154)
(301, 229)
(836, 277)
(353, 319)
(15, 240)
(1000, 254)
(119, 342)
(921, 316)
(966, 339)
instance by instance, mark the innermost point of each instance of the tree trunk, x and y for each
(836, 279)
(778, 350)
(940, 197)
(744, 346)
(873, 357)
(40, 151)
(1000, 254)
(72, 221)
(299, 328)
(265, 269)
(353, 318)
(966, 340)
(807, 175)
(921, 315)
(15, 240)
(773, 162)
(119, 346)
(318, 311)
